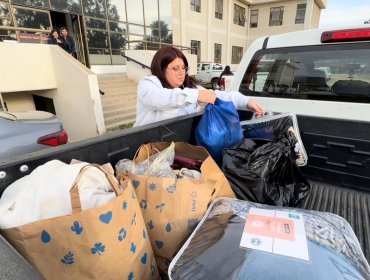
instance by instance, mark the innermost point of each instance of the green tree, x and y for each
(99, 39)
(160, 34)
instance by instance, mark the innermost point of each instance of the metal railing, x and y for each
(144, 46)
(152, 45)
(134, 60)
(25, 34)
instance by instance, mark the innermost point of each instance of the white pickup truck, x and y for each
(209, 73)
(279, 71)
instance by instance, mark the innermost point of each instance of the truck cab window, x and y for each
(331, 72)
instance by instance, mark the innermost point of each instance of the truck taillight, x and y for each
(222, 84)
(55, 139)
(348, 35)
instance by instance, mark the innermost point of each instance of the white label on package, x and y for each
(277, 232)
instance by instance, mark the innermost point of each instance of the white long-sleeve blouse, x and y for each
(156, 103)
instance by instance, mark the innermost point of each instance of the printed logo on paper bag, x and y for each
(98, 248)
(45, 236)
(124, 205)
(122, 234)
(105, 218)
(270, 226)
(68, 259)
(76, 228)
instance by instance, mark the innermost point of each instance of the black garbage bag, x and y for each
(265, 171)
(274, 127)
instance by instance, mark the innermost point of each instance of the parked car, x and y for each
(209, 73)
(25, 132)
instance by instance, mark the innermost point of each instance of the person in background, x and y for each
(67, 42)
(170, 92)
(226, 72)
(54, 39)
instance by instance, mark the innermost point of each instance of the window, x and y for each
(5, 18)
(94, 8)
(276, 16)
(195, 5)
(218, 52)
(301, 11)
(29, 18)
(331, 72)
(219, 8)
(71, 6)
(205, 67)
(254, 18)
(134, 11)
(239, 15)
(195, 48)
(98, 42)
(116, 10)
(35, 3)
(95, 23)
(237, 54)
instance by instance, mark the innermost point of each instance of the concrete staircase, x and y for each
(119, 100)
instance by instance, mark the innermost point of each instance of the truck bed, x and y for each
(352, 205)
(338, 166)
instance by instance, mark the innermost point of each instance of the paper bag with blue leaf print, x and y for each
(106, 242)
(173, 207)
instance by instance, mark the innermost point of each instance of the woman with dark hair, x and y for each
(68, 42)
(54, 38)
(170, 92)
(226, 72)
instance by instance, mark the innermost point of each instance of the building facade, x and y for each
(215, 30)
(220, 31)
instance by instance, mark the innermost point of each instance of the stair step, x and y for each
(116, 83)
(119, 90)
(118, 111)
(119, 100)
(118, 125)
(119, 106)
(124, 119)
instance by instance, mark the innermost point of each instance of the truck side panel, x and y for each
(338, 164)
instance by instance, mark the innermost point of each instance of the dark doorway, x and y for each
(58, 20)
(44, 104)
(74, 27)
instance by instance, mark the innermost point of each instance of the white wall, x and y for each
(26, 67)
(47, 70)
(77, 100)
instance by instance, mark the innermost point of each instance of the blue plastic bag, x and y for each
(219, 128)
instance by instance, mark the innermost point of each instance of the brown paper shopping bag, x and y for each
(209, 167)
(106, 242)
(173, 207)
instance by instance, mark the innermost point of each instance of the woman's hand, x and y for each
(206, 96)
(256, 107)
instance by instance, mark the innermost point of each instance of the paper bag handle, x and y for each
(148, 157)
(75, 194)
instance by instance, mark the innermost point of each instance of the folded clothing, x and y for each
(45, 193)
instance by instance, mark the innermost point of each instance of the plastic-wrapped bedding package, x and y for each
(243, 240)
(274, 127)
